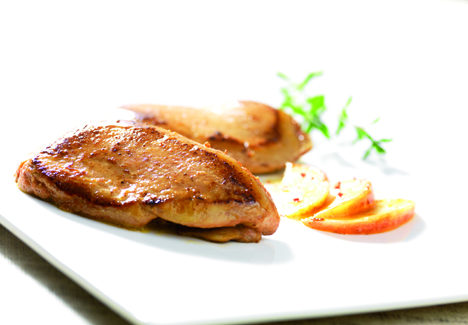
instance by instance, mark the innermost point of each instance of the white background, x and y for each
(62, 64)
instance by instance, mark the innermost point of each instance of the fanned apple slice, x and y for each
(385, 215)
(300, 173)
(303, 190)
(348, 198)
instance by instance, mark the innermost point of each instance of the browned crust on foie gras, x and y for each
(131, 174)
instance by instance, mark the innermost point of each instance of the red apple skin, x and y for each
(381, 218)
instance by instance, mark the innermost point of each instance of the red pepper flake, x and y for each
(303, 174)
(297, 199)
(317, 219)
(340, 194)
(337, 185)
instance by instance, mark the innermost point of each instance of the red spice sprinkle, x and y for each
(318, 219)
(338, 185)
(340, 194)
(303, 174)
(296, 199)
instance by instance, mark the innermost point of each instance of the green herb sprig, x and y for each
(309, 111)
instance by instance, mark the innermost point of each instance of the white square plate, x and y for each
(155, 278)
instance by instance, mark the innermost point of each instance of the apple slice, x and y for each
(348, 198)
(299, 173)
(385, 215)
(303, 190)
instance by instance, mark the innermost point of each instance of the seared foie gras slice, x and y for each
(130, 174)
(239, 233)
(262, 138)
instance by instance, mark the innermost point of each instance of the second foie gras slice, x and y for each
(262, 138)
(131, 174)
